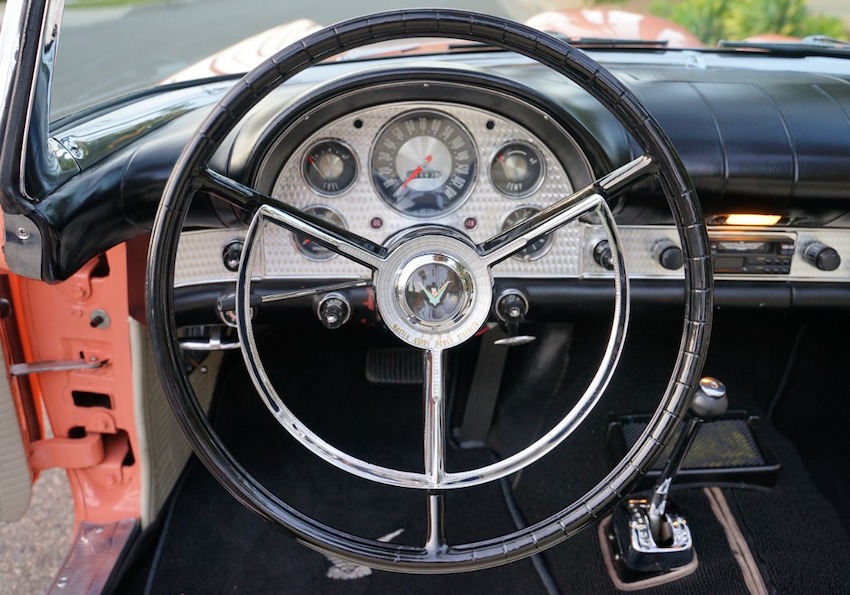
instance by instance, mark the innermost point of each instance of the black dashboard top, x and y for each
(774, 140)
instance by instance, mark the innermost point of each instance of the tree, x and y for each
(713, 20)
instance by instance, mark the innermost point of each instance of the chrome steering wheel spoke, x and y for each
(435, 415)
(263, 207)
(326, 234)
(580, 203)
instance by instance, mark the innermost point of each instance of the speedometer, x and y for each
(423, 163)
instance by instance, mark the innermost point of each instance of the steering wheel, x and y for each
(467, 297)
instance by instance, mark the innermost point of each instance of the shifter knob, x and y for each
(710, 401)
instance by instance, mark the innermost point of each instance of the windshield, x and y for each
(112, 47)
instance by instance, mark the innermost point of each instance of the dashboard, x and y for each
(478, 166)
(384, 169)
(474, 143)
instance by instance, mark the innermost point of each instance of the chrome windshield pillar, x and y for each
(30, 165)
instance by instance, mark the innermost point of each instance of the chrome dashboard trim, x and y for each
(569, 257)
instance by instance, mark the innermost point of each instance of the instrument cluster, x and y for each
(380, 170)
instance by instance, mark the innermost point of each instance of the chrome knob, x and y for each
(333, 310)
(512, 306)
(710, 401)
(232, 254)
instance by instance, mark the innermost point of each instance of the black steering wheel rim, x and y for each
(550, 52)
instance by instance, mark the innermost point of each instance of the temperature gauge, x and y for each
(329, 168)
(307, 246)
(538, 247)
(517, 170)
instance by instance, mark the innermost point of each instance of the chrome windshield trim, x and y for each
(28, 43)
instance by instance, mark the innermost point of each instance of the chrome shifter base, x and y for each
(636, 555)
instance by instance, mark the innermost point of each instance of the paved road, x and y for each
(157, 40)
(33, 548)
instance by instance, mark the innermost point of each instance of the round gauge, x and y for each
(308, 247)
(538, 247)
(517, 170)
(329, 167)
(423, 163)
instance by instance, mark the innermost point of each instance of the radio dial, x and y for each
(822, 256)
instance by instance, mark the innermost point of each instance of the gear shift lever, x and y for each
(651, 537)
(709, 403)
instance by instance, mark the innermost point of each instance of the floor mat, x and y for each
(209, 544)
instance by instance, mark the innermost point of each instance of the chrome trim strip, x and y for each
(94, 554)
(433, 362)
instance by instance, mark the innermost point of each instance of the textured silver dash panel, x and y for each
(360, 205)
(638, 242)
(199, 256)
(570, 256)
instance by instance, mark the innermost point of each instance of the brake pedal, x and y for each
(394, 366)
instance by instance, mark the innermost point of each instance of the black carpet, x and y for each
(209, 544)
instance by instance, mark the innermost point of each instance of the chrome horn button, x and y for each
(434, 291)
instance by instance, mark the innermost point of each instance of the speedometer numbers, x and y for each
(517, 170)
(423, 164)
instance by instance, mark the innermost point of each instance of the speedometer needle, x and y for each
(414, 174)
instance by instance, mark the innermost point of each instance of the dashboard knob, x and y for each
(602, 255)
(512, 306)
(232, 254)
(334, 310)
(668, 255)
(822, 256)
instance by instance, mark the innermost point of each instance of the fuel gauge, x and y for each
(538, 247)
(329, 167)
(517, 170)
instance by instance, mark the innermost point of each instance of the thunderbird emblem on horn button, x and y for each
(434, 292)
